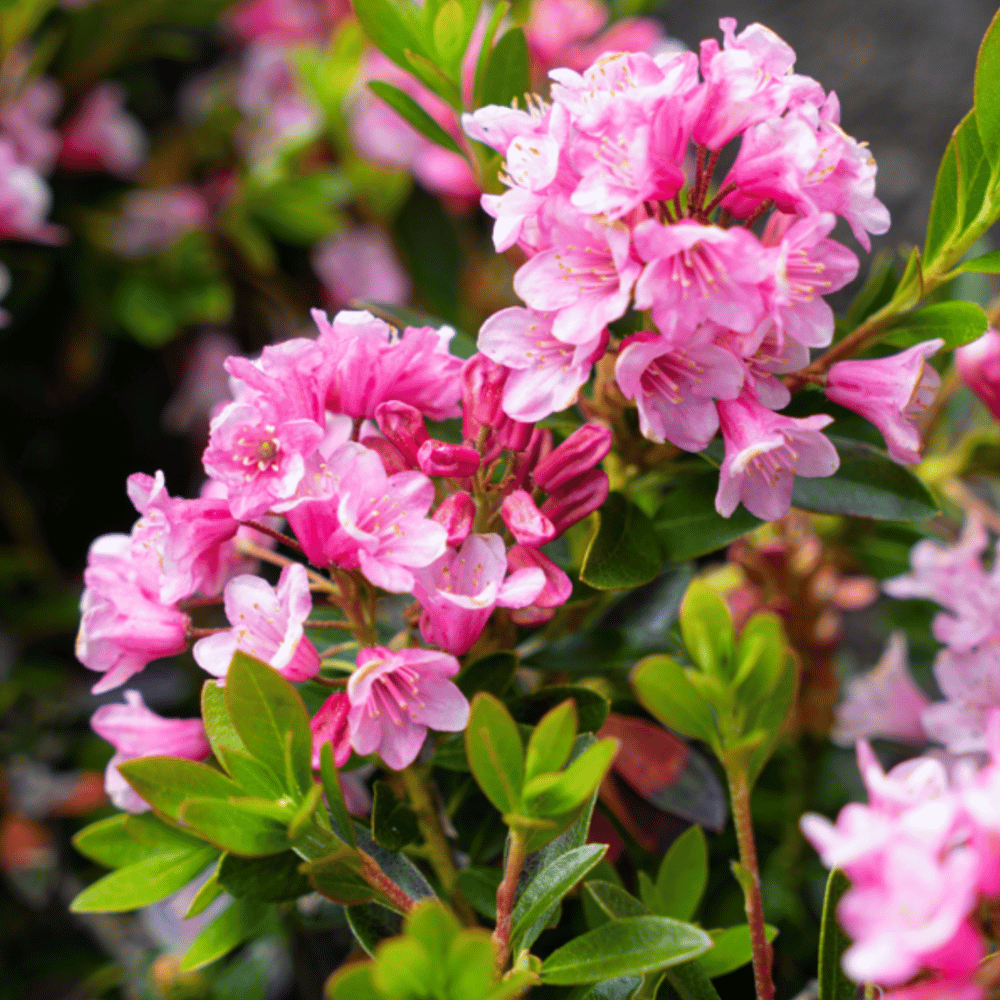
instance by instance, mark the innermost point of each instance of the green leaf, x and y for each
(973, 176)
(253, 777)
(551, 741)
(339, 879)
(272, 880)
(471, 969)
(403, 968)
(235, 828)
(219, 726)
(623, 550)
(945, 213)
(492, 673)
(167, 782)
(691, 982)
(683, 876)
(353, 982)
(621, 988)
(508, 75)
(335, 795)
(955, 322)
(396, 865)
(479, 886)
(770, 717)
(144, 882)
(494, 751)
(209, 892)
(108, 843)
(988, 263)
(408, 109)
(833, 942)
(688, 525)
(264, 707)
(372, 923)
(867, 484)
(435, 927)
(539, 900)
(389, 28)
(631, 946)
(234, 925)
(987, 91)
(614, 901)
(665, 691)
(451, 34)
(394, 823)
(570, 789)
(760, 659)
(482, 61)
(707, 630)
(732, 950)
(592, 708)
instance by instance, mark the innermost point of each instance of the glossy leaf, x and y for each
(339, 879)
(396, 865)
(543, 894)
(167, 782)
(235, 828)
(219, 726)
(390, 30)
(944, 214)
(632, 946)
(270, 880)
(335, 796)
(408, 109)
(770, 718)
(867, 484)
(108, 843)
(494, 751)
(683, 876)
(955, 322)
(690, 981)
(664, 690)
(264, 707)
(394, 823)
(353, 982)
(372, 923)
(614, 901)
(760, 659)
(507, 74)
(209, 892)
(707, 629)
(234, 925)
(551, 741)
(732, 949)
(572, 787)
(251, 775)
(492, 673)
(624, 550)
(833, 942)
(987, 90)
(620, 988)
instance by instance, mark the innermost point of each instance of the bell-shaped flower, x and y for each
(525, 521)
(135, 731)
(765, 451)
(978, 365)
(403, 427)
(891, 393)
(396, 697)
(102, 135)
(459, 591)
(267, 622)
(674, 382)
(546, 374)
(557, 590)
(329, 725)
(455, 514)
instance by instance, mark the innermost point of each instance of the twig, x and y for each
(276, 535)
(507, 896)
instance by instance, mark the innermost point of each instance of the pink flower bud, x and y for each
(558, 586)
(538, 447)
(482, 394)
(574, 500)
(392, 458)
(526, 523)
(514, 434)
(581, 451)
(329, 725)
(978, 365)
(453, 461)
(455, 514)
(403, 425)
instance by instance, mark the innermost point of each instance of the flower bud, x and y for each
(452, 461)
(581, 451)
(403, 425)
(455, 514)
(329, 725)
(514, 434)
(482, 394)
(558, 586)
(537, 448)
(526, 523)
(574, 500)
(978, 366)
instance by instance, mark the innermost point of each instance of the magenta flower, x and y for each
(102, 135)
(360, 264)
(266, 623)
(886, 702)
(451, 461)
(396, 697)
(134, 731)
(285, 21)
(25, 200)
(525, 521)
(455, 514)
(545, 374)
(581, 452)
(764, 453)
(373, 363)
(123, 623)
(154, 220)
(696, 273)
(674, 383)
(890, 393)
(404, 428)
(459, 590)
(329, 725)
(978, 365)
(557, 590)
(26, 119)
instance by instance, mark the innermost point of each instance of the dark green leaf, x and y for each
(482, 61)
(494, 751)
(235, 828)
(690, 981)
(987, 102)
(264, 707)
(372, 923)
(614, 901)
(955, 322)
(592, 708)
(623, 550)
(408, 109)
(867, 484)
(688, 525)
(683, 876)
(394, 823)
(631, 946)
(270, 880)
(343, 823)
(664, 690)
(234, 925)
(396, 865)
(833, 942)
(543, 894)
(167, 782)
(611, 989)
(479, 886)
(338, 879)
(732, 949)
(492, 673)
(451, 755)
(508, 75)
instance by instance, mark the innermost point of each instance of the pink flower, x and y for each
(557, 590)
(576, 499)
(152, 221)
(361, 264)
(891, 393)
(396, 697)
(546, 374)
(554, 26)
(404, 428)
(455, 514)
(764, 453)
(674, 382)
(329, 725)
(134, 731)
(885, 702)
(102, 135)
(459, 590)
(374, 362)
(525, 521)
(696, 273)
(970, 681)
(25, 200)
(123, 623)
(453, 461)
(581, 452)
(26, 120)
(285, 21)
(978, 365)
(266, 623)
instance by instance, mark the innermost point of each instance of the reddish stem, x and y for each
(327, 624)
(713, 204)
(276, 535)
(507, 896)
(378, 879)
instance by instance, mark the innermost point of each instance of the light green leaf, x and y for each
(235, 828)
(390, 29)
(623, 550)
(252, 776)
(353, 982)
(944, 215)
(732, 950)
(770, 718)
(683, 876)
(634, 945)
(570, 789)
(955, 322)
(403, 968)
(551, 741)
(209, 892)
(408, 109)
(234, 925)
(108, 843)
(988, 263)
(451, 33)
(494, 751)
(760, 659)
(707, 630)
(833, 942)
(219, 726)
(664, 689)
(167, 782)
(987, 90)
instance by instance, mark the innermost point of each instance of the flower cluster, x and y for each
(922, 859)
(330, 433)
(610, 194)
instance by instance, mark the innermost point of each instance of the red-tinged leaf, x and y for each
(84, 796)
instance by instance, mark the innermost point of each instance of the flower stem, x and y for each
(286, 540)
(438, 847)
(378, 879)
(739, 793)
(506, 896)
(320, 582)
